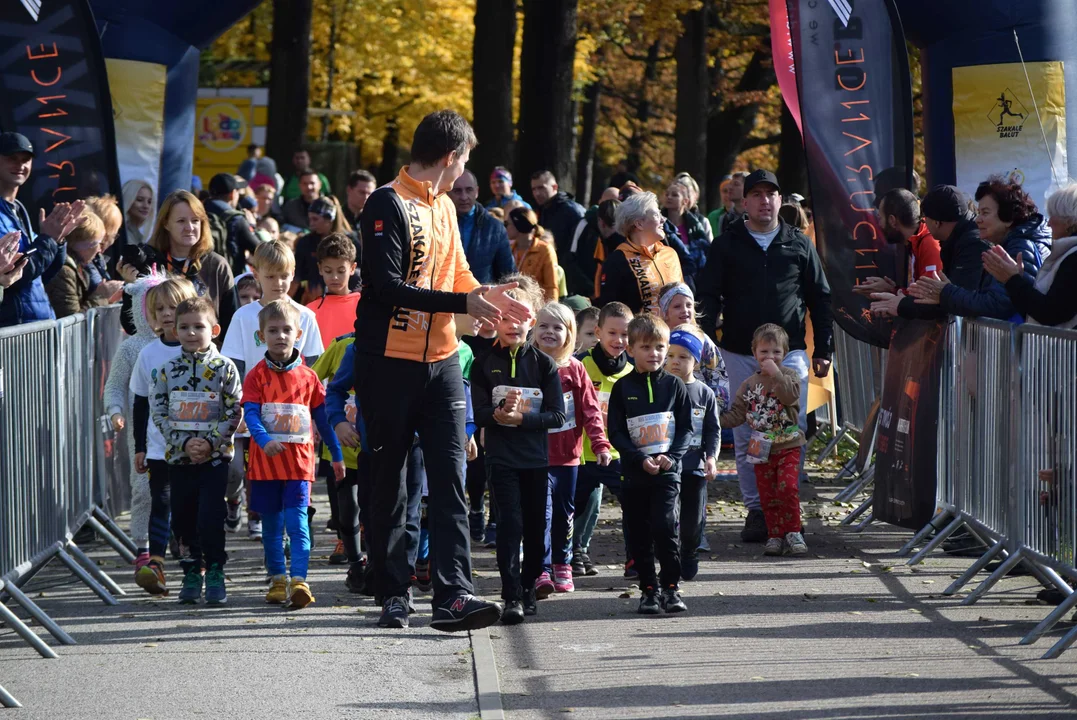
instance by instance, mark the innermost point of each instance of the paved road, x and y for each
(848, 632)
(158, 660)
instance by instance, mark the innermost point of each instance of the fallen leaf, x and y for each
(150, 645)
(757, 677)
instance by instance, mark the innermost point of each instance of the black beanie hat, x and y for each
(945, 203)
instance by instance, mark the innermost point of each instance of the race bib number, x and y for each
(287, 422)
(759, 448)
(604, 406)
(570, 414)
(193, 411)
(652, 434)
(697, 428)
(351, 410)
(530, 399)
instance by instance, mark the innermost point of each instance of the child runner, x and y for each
(517, 400)
(605, 363)
(479, 338)
(119, 401)
(769, 400)
(555, 335)
(195, 406)
(650, 425)
(587, 322)
(280, 397)
(700, 462)
(161, 303)
(274, 268)
(248, 290)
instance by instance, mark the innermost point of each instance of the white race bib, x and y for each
(759, 448)
(697, 428)
(652, 434)
(351, 410)
(287, 422)
(570, 414)
(530, 399)
(193, 411)
(604, 406)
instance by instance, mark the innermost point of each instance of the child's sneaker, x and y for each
(544, 586)
(191, 592)
(215, 591)
(630, 570)
(490, 539)
(774, 547)
(231, 520)
(562, 579)
(513, 613)
(356, 577)
(477, 525)
(254, 530)
(578, 570)
(339, 556)
(142, 561)
(422, 575)
(671, 600)
(278, 590)
(530, 602)
(588, 567)
(151, 577)
(795, 545)
(299, 594)
(648, 603)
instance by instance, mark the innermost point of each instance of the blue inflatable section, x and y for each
(958, 33)
(170, 34)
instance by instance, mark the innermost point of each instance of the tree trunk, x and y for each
(585, 162)
(390, 143)
(640, 131)
(330, 61)
(693, 92)
(289, 81)
(546, 70)
(728, 128)
(792, 164)
(491, 87)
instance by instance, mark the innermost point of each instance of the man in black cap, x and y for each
(233, 236)
(39, 255)
(762, 271)
(295, 210)
(948, 215)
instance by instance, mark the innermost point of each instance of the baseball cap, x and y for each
(945, 203)
(760, 176)
(13, 142)
(224, 183)
(323, 207)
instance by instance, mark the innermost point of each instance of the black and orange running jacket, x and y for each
(414, 273)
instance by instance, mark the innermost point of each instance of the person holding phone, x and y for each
(24, 299)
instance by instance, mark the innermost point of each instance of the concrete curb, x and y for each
(487, 688)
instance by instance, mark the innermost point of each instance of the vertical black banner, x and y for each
(55, 92)
(906, 443)
(855, 92)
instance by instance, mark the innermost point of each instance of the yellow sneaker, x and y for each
(299, 594)
(278, 590)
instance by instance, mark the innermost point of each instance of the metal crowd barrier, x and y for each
(49, 379)
(1007, 441)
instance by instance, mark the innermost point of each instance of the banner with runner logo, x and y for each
(55, 90)
(906, 440)
(997, 130)
(855, 99)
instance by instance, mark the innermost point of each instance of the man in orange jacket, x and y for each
(407, 372)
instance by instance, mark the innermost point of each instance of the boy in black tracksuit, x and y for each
(517, 398)
(650, 424)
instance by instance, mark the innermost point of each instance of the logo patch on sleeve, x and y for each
(379, 226)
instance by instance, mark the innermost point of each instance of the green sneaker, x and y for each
(191, 592)
(215, 592)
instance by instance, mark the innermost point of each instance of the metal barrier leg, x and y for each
(100, 575)
(38, 614)
(1008, 564)
(1050, 621)
(939, 538)
(860, 510)
(117, 545)
(86, 578)
(114, 529)
(26, 633)
(1060, 647)
(938, 521)
(832, 445)
(847, 469)
(867, 521)
(852, 489)
(7, 699)
(973, 571)
(1057, 580)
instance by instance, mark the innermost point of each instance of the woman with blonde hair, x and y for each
(534, 256)
(138, 201)
(182, 245)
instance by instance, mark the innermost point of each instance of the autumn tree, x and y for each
(289, 84)
(693, 95)
(492, 88)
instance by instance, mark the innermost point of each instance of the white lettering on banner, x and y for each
(903, 427)
(192, 411)
(570, 414)
(287, 422)
(697, 428)
(652, 433)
